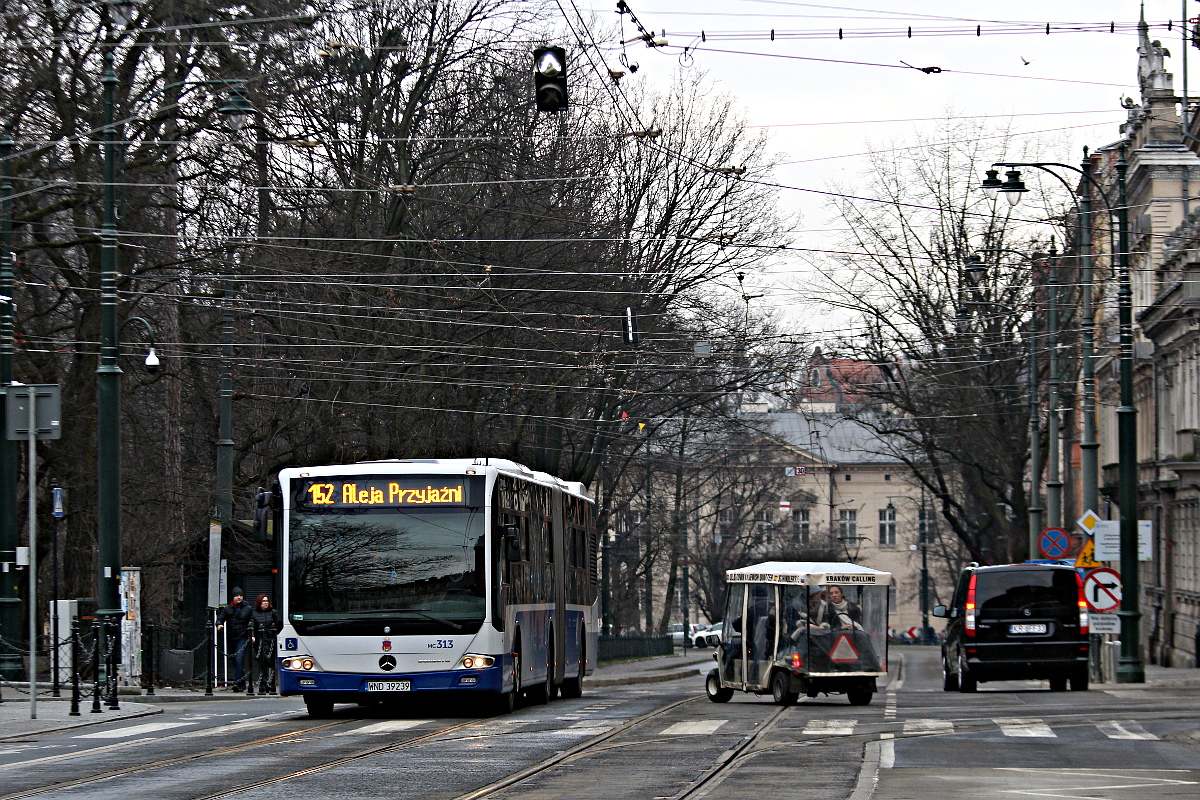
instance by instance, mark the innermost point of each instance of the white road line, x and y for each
(229, 728)
(830, 727)
(887, 751)
(387, 726)
(1025, 727)
(134, 730)
(928, 726)
(1126, 729)
(697, 728)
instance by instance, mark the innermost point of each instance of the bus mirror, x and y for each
(512, 542)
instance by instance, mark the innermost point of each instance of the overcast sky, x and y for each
(1064, 87)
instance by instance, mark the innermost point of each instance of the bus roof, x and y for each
(440, 466)
(809, 572)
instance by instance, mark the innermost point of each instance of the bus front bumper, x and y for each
(293, 682)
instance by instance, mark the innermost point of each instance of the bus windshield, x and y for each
(354, 571)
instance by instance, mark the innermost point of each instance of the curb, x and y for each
(203, 698)
(660, 678)
(138, 715)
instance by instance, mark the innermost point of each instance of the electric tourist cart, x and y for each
(802, 627)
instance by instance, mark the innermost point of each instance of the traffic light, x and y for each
(550, 78)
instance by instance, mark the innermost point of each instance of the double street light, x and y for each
(1130, 669)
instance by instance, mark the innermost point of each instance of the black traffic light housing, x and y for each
(550, 78)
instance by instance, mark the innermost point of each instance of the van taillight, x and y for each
(1083, 606)
(969, 622)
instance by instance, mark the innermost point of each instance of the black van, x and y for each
(1016, 622)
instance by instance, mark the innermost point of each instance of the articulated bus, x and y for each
(403, 577)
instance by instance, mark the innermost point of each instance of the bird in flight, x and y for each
(1023, 61)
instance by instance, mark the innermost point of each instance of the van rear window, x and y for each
(1016, 590)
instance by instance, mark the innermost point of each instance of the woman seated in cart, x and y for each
(803, 627)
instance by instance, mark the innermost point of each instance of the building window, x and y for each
(763, 518)
(887, 477)
(887, 525)
(848, 524)
(847, 477)
(800, 524)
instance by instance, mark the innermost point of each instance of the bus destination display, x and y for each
(398, 491)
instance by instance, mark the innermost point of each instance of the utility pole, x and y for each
(10, 599)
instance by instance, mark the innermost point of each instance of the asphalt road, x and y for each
(915, 742)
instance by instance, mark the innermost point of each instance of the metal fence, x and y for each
(614, 648)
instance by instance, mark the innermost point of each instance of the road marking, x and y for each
(1025, 727)
(889, 708)
(230, 728)
(887, 751)
(1126, 729)
(830, 727)
(388, 726)
(928, 726)
(135, 730)
(697, 728)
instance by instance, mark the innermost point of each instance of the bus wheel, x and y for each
(860, 697)
(318, 706)
(572, 688)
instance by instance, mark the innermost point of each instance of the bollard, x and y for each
(210, 656)
(55, 688)
(96, 656)
(249, 656)
(74, 667)
(149, 660)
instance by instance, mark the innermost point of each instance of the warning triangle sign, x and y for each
(1087, 556)
(843, 651)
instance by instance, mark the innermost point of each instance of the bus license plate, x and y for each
(1039, 627)
(389, 686)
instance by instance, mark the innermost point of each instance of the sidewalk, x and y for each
(54, 715)
(690, 663)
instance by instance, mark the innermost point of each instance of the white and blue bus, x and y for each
(404, 577)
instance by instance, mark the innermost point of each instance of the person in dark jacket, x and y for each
(264, 623)
(236, 616)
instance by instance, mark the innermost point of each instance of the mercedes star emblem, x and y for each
(387, 663)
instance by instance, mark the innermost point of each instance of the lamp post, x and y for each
(108, 374)
(1130, 669)
(10, 601)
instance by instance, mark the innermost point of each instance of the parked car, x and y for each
(680, 633)
(1016, 622)
(700, 637)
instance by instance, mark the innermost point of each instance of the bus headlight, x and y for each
(477, 662)
(298, 663)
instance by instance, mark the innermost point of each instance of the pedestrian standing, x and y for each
(237, 615)
(264, 627)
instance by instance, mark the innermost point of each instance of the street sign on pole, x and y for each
(1108, 540)
(1102, 590)
(1104, 623)
(1087, 556)
(47, 404)
(1087, 523)
(1054, 543)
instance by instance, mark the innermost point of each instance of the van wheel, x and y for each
(860, 697)
(781, 689)
(1058, 683)
(1079, 681)
(319, 706)
(949, 679)
(712, 687)
(966, 681)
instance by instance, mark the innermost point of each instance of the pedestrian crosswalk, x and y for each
(134, 730)
(380, 728)
(1016, 727)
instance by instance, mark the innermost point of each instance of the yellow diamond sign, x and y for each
(1088, 521)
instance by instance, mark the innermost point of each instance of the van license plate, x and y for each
(389, 686)
(1039, 627)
